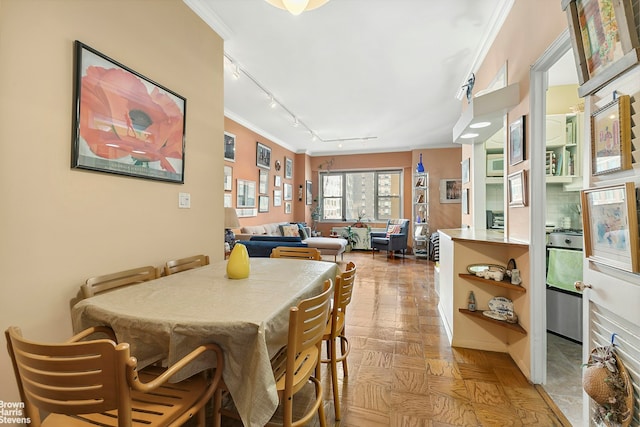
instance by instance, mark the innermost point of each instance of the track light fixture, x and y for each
(237, 70)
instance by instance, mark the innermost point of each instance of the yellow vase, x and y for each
(238, 264)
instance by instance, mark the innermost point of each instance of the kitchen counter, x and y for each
(485, 236)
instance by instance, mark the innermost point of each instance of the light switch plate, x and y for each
(184, 200)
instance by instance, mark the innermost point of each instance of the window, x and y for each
(367, 195)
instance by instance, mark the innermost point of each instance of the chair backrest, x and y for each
(296, 252)
(70, 378)
(182, 264)
(107, 282)
(343, 292)
(307, 322)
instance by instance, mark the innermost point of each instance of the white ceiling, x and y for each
(388, 70)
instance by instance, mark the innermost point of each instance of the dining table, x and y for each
(164, 319)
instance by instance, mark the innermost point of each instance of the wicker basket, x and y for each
(593, 383)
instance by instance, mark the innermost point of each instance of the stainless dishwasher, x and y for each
(564, 267)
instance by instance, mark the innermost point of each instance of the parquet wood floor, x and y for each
(404, 373)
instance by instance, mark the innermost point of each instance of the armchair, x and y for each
(394, 239)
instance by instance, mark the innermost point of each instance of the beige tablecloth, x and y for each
(168, 317)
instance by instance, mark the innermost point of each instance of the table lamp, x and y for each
(230, 221)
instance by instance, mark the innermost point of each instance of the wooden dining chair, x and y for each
(182, 264)
(335, 330)
(107, 282)
(96, 382)
(299, 361)
(296, 252)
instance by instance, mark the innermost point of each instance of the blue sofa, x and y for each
(260, 246)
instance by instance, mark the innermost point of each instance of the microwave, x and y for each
(495, 165)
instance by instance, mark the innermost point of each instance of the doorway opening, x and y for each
(555, 178)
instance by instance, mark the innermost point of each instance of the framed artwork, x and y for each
(517, 141)
(309, 193)
(125, 123)
(263, 156)
(277, 197)
(288, 168)
(611, 225)
(229, 147)
(228, 178)
(287, 207)
(277, 181)
(263, 182)
(288, 191)
(517, 189)
(263, 204)
(228, 200)
(450, 190)
(611, 137)
(604, 40)
(246, 197)
(277, 165)
(465, 170)
(465, 201)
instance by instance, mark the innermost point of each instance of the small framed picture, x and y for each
(277, 181)
(288, 168)
(517, 189)
(465, 170)
(246, 197)
(229, 147)
(465, 201)
(611, 137)
(611, 226)
(263, 156)
(263, 204)
(450, 190)
(288, 191)
(287, 207)
(309, 195)
(228, 200)
(263, 186)
(228, 178)
(277, 197)
(517, 141)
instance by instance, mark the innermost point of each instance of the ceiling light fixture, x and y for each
(296, 123)
(273, 103)
(469, 135)
(296, 7)
(479, 125)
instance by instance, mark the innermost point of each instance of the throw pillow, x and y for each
(393, 229)
(303, 232)
(289, 230)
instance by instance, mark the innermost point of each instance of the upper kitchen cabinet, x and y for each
(564, 145)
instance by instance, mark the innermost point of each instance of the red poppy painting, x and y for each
(125, 123)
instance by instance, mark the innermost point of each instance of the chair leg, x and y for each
(217, 404)
(334, 378)
(343, 349)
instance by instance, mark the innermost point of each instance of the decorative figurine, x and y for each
(515, 277)
(472, 302)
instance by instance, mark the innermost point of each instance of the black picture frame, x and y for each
(229, 147)
(263, 156)
(141, 136)
(517, 141)
(309, 192)
(288, 168)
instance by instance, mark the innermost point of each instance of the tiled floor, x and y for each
(564, 376)
(402, 371)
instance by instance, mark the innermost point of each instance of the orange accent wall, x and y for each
(440, 163)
